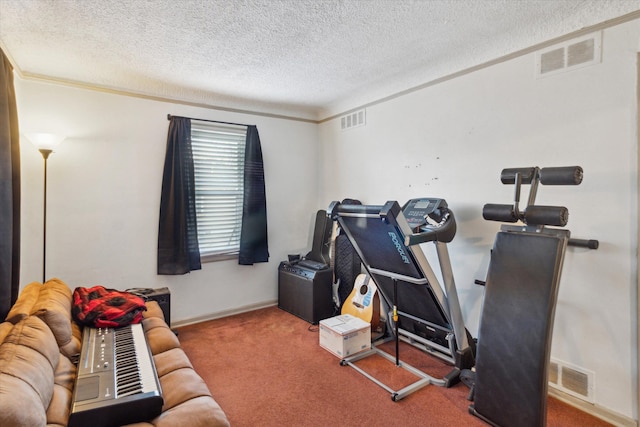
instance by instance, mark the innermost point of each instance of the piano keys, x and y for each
(116, 381)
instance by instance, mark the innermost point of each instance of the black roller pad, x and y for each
(514, 338)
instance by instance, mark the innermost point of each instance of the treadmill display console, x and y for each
(425, 212)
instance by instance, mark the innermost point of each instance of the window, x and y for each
(218, 159)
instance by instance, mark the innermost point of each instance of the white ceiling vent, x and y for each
(578, 382)
(572, 54)
(352, 120)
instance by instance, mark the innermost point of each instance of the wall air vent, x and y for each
(352, 120)
(577, 382)
(572, 54)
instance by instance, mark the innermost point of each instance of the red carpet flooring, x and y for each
(266, 368)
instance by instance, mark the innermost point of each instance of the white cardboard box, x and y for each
(345, 335)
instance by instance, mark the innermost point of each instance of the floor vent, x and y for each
(352, 120)
(578, 382)
(572, 54)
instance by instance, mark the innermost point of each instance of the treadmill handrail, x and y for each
(444, 233)
(360, 210)
(392, 275)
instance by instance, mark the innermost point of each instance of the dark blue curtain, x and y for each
(9, 190)
(178, 251)
(253, 238)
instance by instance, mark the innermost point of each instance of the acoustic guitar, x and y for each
(364, 301)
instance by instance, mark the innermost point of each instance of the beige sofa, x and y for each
(39, 339)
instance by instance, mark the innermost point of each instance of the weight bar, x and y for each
(546, 215)
(567, 175)
(508, 176)
(502, 213)
(534, 215)
(584, 243)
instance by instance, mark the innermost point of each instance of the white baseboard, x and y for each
(224, 313)
(595, 410)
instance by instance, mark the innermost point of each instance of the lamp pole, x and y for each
(45, 143)
(45, 155)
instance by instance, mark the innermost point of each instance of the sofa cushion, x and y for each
(53, 306)
(73, 348)
(153, 310)
(65, 375)
(24, 304)
(159, 336)
(63, 383)
(170, 360)
(28, 357)
(201, 411)
(180, 386)
(187, 400)
(5, 328)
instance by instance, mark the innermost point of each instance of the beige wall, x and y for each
(104, 196)
(453, 139)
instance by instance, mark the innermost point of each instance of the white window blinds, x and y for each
(218, 157)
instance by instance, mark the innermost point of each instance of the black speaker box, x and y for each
(305, 292)
(160, 295)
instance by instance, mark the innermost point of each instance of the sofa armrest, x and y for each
(153, 310)
(28, 357)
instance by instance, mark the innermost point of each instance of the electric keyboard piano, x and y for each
(116, 381)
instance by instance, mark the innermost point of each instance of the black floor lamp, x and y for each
(45, 143)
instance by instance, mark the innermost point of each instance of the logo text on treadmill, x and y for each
(394, 239)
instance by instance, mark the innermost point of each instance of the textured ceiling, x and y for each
(302, 58)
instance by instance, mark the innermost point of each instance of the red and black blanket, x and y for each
(100, 307)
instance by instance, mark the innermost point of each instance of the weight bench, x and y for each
(509, 387)
(425, 315)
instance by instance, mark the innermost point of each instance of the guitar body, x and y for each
(364, 301)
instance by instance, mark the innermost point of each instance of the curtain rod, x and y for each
(205, 120)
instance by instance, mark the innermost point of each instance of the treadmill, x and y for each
(425, 313)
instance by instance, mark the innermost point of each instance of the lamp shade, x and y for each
(45, 141)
